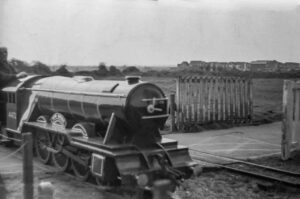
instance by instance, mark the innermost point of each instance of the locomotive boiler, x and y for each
(101, 128)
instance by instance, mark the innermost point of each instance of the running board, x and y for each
(6, 141)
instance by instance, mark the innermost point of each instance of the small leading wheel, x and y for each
(82, 171)
(107, 184)
(42, 141)
(60, 160)
(100, 181)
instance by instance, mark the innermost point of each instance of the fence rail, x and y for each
(206, 99)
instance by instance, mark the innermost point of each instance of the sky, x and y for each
(150, 32)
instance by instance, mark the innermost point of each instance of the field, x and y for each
(267, 97)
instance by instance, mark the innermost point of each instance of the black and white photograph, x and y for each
(149, 99)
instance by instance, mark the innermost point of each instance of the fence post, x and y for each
(27, 166)
(45, 190)
(251, 100)
(178, 93)
(172, 112)
(287, 121)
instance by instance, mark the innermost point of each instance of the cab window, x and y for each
(11, 98)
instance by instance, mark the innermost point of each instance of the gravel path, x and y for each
(220, 184)
(223, 184)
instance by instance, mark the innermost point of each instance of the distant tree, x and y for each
(114, 71)
(16, 62)
(131, 70)
(63, 71)
(40, 68)
(102, 70)
(20, 65)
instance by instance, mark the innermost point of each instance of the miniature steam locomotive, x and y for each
(106, 129)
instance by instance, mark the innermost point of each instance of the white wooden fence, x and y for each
(206, 99)
(290, 141)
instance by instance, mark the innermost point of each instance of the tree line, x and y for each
(40, 68)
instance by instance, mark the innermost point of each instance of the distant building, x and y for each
(255, 66)
(242, 66)
(289, 66)
(201, 65)
(197, 63)
(265, 66)
(217, 66)
(183, 64)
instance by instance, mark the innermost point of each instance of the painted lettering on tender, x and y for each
(12, 115)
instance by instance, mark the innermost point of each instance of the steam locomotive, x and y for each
(100, 128)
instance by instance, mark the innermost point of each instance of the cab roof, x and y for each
(13, 86)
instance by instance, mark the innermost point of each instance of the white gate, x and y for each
(290, 141)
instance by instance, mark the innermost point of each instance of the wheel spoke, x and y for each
(42, 141)
(60, 160)
(82, 172)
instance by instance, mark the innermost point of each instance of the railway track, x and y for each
(275, 175)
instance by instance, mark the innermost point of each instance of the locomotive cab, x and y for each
(14, 102)
(10, 98)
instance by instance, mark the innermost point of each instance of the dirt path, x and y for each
(238, 142)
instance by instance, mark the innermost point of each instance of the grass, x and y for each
(267, 99)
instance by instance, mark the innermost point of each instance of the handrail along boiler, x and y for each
(101, 128)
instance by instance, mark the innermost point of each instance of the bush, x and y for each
(63, 71)
(102, 70)
(131, 70)
(20, 66)
(114, 71)
(41, 68)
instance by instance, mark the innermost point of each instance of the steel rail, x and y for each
(295, 174)
(253, 174)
